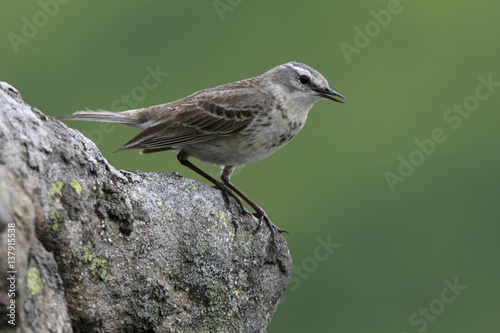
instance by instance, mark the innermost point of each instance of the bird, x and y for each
(230, 125)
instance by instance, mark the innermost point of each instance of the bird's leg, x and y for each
(226, 192)
(259, 214)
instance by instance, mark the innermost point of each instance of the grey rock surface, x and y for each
(102, 250)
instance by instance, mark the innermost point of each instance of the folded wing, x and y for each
(200, 117)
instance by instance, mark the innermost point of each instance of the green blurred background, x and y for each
(397, 247)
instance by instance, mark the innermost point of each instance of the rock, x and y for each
(94, 249)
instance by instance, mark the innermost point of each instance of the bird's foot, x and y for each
(227, 193)
(261, 216)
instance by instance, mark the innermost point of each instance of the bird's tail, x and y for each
(130, 118)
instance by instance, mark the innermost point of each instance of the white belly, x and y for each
(257, 141)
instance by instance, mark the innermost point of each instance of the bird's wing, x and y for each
(205, 115)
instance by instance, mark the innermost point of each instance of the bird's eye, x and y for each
(304, 79)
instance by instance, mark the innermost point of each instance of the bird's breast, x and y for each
(262, 137)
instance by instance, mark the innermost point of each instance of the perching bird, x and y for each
(229, 125)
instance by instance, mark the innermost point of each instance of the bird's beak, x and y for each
(330, 94)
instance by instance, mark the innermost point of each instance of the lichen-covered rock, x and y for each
(101, 250)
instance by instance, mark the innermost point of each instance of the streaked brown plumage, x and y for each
(230, 125)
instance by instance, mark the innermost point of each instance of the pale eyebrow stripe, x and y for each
(301, 70)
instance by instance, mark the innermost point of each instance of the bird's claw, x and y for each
(226, 193)
(261, 216)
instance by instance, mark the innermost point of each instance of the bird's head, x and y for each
(301, 83)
